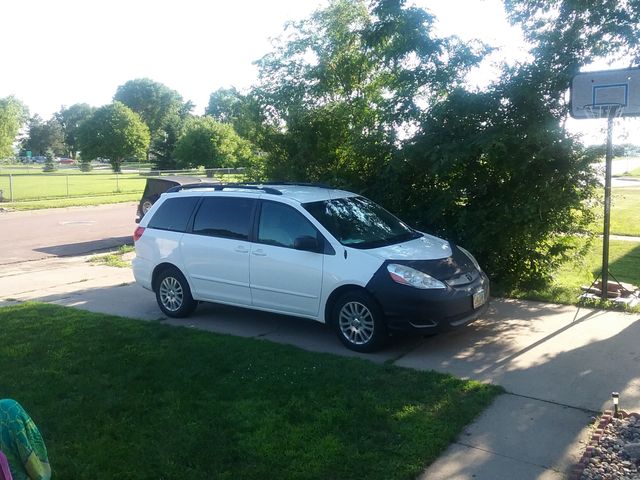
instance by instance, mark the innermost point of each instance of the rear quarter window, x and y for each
(174, 214)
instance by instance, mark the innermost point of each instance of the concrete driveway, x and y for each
(558, 363)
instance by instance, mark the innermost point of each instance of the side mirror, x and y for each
(306, 243)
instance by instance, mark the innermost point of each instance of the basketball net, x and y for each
(611, 111)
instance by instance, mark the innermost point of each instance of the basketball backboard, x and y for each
(599, 94)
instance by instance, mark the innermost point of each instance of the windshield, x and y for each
(358, 222)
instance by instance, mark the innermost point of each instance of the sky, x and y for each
(61, 52)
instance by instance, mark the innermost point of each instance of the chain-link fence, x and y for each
(20, 185)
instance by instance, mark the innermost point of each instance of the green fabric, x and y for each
(22, 443)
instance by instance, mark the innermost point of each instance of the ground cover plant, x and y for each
(115, 258)
(119, 398)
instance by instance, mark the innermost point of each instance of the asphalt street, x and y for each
(38, 234)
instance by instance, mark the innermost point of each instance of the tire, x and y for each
(359, 322)
(173, 294)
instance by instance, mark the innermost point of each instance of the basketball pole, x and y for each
(607, 204)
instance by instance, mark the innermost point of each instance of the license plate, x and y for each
(479, 298)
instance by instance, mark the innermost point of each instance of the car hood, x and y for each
(426, 247)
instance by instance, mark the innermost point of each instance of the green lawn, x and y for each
(57, 185)
(72, 202)
(126, 399)
(633, 173)
(624, 264)
(625, 211)
(30, 188)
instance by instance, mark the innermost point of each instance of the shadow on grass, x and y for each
(625, 268)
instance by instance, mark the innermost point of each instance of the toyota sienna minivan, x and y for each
(310, 251)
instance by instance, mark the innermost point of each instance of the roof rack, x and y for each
(222, 186)
(300, 184)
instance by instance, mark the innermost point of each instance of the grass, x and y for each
(72, 202)
(632, 173)
(624, 263)
(625, 211)
(114, 259)
(118, 398)
(31, 189)
(61, 185)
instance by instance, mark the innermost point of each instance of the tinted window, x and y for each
(174, 214)
(280, 225)
(360, 223)
(224, 217)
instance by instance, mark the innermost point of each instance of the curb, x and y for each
(596, 436)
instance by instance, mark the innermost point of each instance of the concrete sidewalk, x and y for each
(558, 363)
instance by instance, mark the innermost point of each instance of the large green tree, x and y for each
(164, 112)
(44, 136)
(115, 132)
(224, 105)
(70, 119)
(13, 114)
(364, 95)
(209, 143)
(344, 87)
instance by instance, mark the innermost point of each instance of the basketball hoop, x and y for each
(609, 94)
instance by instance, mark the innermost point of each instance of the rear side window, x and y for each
(224, 217)
(174, 214)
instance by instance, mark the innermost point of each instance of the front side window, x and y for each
(280, 225)
(360, 223)
(174, 214)
(224, 217)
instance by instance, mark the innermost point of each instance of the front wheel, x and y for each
(359, 322)
(173, 294)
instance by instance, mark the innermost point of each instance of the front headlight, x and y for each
(414, 278)
(471, 257)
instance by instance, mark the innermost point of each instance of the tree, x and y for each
(45, 136)
(70, 119)
(224, 105)
(13, 114)
(163, 145)
(570, 34)
(49, 165)
(162, 109)
(114, 132)
(338, 94)
(211, 144)
(364, 96)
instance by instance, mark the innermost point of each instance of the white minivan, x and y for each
(305, 250)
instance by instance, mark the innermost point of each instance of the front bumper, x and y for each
(413, 310)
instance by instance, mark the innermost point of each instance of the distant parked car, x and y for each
(66, 161)
(156, 186)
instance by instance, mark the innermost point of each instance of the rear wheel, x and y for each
(173, 294)
(359, 322)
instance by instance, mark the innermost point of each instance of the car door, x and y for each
(216, 251)
(283, 278)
